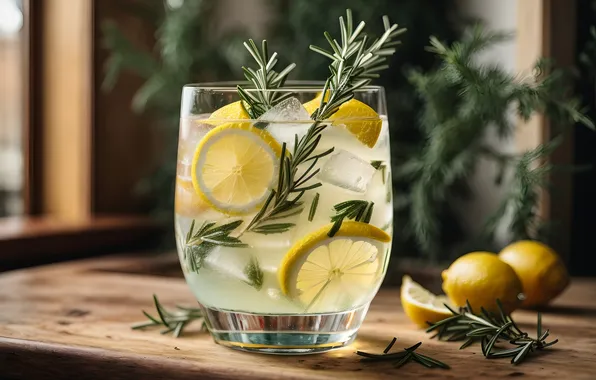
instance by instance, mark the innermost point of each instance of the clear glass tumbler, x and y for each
(283, 224)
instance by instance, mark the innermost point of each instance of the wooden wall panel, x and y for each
(125, 142)
(546, 28)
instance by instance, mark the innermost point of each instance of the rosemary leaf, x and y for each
(496, 336)
(433, 362)
(467, 343)
(175, 321)
(254, 273)
(390, 345)
(358, 210)
(400, 358)
(274, 228)
(522, 354)
(403, 360)
(313, 207)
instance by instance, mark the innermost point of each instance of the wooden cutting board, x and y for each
(71, 321)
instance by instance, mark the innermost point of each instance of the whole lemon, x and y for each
(481, 278)
(539, 268)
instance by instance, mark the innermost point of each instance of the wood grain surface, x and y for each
(72, 321)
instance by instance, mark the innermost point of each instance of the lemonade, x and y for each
(283, 197)
(283, 223)
(224, 270)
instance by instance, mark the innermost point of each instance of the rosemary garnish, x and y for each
(380, 165)
(360, 211)
(354, 64)
(264, 79)
(174, 321)
(489, 328)
(313, 207)
(201, 242)
(285, 199)
(254, 273)
(400, 358)
(376, 164)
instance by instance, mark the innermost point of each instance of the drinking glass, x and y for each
(285, 284)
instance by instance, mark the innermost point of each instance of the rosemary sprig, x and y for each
(354, 64)
(201, 242)
(285, 199)
(358, 210)
(488, 329)
(173, 321)
(400, 358)
(265, 79)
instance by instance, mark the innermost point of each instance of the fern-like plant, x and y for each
(463, 100)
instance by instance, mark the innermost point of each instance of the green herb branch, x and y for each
(254, 274)
(354, 64)
(265, 81)
(200, 243)
(173, 321)
(358, 210)
(462, 100)
(488, 329)
(400, 358)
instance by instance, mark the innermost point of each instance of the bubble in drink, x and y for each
(347, 171)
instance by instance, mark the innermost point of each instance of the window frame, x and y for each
(59, 220)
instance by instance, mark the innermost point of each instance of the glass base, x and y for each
(285, 334)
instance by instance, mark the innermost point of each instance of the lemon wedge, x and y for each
(234, 167)
(232, 111)
(360, 120)
(356, 117)
(326, 273)
(311, 106)
(422, 306)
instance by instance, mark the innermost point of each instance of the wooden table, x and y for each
(71, 321)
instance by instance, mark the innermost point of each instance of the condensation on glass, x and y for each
(11, 107)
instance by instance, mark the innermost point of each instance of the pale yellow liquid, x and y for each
(221, 282)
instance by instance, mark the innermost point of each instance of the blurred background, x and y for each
(89, 107)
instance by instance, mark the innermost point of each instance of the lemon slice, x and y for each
(420, 305)
(232, 111)
(325, 273)
(356, 117)
(187, 202)
(234, 167)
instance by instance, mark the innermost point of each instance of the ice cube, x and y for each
(192, 130)
(280, 118)
(347, 171)
(228, 261)
(288, 110)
